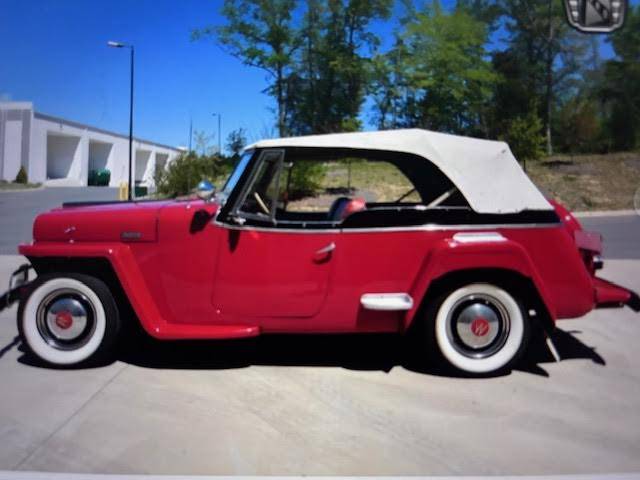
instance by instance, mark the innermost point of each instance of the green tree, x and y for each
(261, 33)
(551, 51)
(21, 177)
(619, 86)
(389, 86)
(578, 126)
(202, 141)
(332, 71)
(183, 174)
(449, 80)
(524, 136)
(236, 141)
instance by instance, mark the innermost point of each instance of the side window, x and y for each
(260, 196)
(315, 185)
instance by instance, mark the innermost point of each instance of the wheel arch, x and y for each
(508, 279)
(114, 264)
(98, 267)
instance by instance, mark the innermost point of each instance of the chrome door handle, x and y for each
(329, 248)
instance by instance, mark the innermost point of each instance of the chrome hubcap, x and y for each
(478, 325)
(65, 319)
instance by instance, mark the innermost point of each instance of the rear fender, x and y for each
(496, 253)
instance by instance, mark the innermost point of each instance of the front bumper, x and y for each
(17, 283)
(610, 295)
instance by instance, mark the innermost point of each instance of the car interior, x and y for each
(310, 188)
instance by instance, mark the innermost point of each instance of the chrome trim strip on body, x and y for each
(386, 301)
(415, 228)
(478, 237)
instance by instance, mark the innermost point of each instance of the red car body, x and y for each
(218, 282)
(192, 269)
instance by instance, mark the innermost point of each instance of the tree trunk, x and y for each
(281, 104)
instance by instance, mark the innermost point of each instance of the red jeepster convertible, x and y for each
(361, 232)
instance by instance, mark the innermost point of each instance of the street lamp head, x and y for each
(113, 44)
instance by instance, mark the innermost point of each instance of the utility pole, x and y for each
(130, 47)
(219, 115)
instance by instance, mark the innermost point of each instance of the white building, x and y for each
(56, 151)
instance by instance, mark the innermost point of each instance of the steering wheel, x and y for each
(261, 204)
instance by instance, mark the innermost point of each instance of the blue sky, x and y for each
(54, 53)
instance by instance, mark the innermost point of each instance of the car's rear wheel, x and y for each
(478, 328)
(68, 319)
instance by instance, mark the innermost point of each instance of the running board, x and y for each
(387, 301)
(175, 331)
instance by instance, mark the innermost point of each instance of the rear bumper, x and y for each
(610, 295)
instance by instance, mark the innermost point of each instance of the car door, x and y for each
(264, 272)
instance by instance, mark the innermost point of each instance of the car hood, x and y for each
(100, 222)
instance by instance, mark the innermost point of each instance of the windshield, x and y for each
(231, 182)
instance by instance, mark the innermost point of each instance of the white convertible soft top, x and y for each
(485, 171)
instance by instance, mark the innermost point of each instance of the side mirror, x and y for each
(205, 190)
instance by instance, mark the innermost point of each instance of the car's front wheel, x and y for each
(68, 319)
(479, 328)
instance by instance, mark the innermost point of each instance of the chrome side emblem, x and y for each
(130, 236)
(596, 16)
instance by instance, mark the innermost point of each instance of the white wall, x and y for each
(142, 164)
(63, 157)
(99, 155)
(12, 149)
(93, 148)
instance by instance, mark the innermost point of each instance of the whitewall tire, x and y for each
(479, 328)
(68, 319)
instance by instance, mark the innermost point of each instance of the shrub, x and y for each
(183, 174)
(578, 128)
(306, 179)
(21, 177)
(525, 137)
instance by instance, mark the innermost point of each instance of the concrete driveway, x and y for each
(323, 405)
(328, 405)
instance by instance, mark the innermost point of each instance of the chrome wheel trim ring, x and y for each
(66, 319)
(478, 325)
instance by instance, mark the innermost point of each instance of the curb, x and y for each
(606, 213)
(14, 190)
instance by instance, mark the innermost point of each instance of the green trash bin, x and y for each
(140, 191)
(99, 178)
(103, 177)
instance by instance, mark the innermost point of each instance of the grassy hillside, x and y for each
(589, 182)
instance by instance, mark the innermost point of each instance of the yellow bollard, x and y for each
(123, 190)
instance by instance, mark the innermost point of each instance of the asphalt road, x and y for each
(621, 234)
(19, 208)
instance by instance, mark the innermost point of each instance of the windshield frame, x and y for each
(233, 179)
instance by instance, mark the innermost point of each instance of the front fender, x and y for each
(496, 252)
(132, 281)
(125, 267)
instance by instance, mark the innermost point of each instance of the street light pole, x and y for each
(130, 47)
(219, 115)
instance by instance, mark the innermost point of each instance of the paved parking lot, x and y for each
(327, 405)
